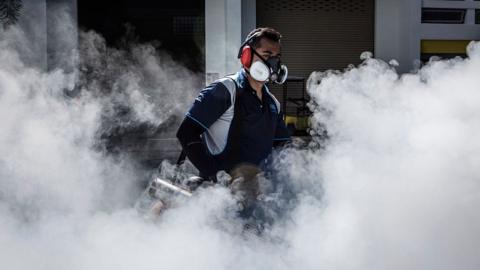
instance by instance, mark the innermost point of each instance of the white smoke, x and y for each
(400, 174)
(395, 185)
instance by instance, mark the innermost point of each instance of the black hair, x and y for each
(254, 37)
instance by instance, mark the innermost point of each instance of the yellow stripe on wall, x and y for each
(300, 123)
(444, 46)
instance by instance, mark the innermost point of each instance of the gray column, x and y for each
(32, 46)
(397, 32)
(62, 35)
(249, 17)
(50, 34)
(226, 22)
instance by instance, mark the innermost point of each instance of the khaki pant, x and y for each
(245, 183)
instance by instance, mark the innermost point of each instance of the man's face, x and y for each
(268, 48)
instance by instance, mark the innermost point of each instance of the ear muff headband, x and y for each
(245, 52)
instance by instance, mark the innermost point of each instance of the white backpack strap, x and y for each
(230, 84)
(230, 81)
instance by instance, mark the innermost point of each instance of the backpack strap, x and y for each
(233, 77)
(231, 84)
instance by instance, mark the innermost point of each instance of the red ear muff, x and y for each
(246, 56)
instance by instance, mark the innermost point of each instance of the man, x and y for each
(236, 120)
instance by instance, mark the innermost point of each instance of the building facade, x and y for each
(318, 34)
(205, 35)
(326, 34)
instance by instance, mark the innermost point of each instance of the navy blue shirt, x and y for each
(239, 127)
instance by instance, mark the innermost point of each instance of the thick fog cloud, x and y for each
(64, 202)
(399, 173)
(395, 186)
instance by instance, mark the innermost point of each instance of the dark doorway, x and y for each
(177, 26)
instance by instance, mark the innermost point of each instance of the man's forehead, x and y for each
(270, 45)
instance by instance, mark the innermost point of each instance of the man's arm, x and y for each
(210, 104)
(189, 135)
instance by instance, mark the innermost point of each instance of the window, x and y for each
(443, 15)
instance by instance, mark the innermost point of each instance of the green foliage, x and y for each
(10, 11)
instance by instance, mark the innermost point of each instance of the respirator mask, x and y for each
(271, 69)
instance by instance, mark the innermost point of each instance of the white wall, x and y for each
(399, 31)
(225, 29)
(467, 31)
